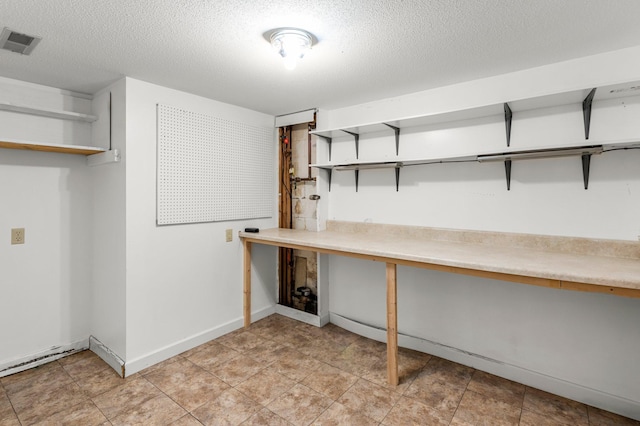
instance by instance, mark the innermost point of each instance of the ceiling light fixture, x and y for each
(292, 44)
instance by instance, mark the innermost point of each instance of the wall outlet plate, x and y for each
(229, 235)
(17, 236)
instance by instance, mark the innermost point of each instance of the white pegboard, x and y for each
(211, 169)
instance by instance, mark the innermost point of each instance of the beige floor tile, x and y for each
(230, 408)
(360, 357)
(212, 356)
(241, 341)
(598, 417)
(339, 415)
(440, 385)
(37, 404)
(555, 407)
(265, 417)
(187, 420)
(126, 397)
(160, 410)
(322, 351)
(497, 388)
(295, 365)
(266, 386)
(237, 370)
(36, 379)
(339, 335)
(187, 384)
(10, 421)
(103, 381)
(270, 326)
(477, 409)
(369, 399)
(303, 374)
(83, 414)
(6, 409)
(266, 352)
(300, 405)
(438, 369)
(530, 418)
(330, 381)
(410, 364)
(8, 417)
(36, 372)
(411, 412)
(190, 352)
(437, 395)
(83, 364)
(292, 338)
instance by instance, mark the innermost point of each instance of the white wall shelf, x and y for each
(584, 96)
(45, 112)
(507, 156)
(51, 147)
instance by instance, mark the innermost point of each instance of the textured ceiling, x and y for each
(366, 50)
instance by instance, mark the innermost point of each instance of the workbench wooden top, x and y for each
(538, 266)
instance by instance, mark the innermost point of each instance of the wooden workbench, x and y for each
(600, 266)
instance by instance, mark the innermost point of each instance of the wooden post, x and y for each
(392, 325)
(247, 283)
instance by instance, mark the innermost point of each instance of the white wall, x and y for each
(45, 283)
(108, 303)
(584, 346)
(184, 282)
(94, 262)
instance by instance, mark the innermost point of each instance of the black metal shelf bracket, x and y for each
(356, 138)
(507, 171)
(507, 122)
(329, 140)
(586, 111)
(329, 172)
(586, 165)
(396, 130)
(397, 178)
(357, 176)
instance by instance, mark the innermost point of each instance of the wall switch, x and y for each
(229, 235)
(17, 236)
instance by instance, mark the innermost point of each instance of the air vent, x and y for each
(18, 42)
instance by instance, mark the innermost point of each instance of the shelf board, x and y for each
(51, 113)
(518, 155)
(50, 147)
(495, 109)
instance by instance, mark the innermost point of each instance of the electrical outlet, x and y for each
(17, 236)
(229, 235)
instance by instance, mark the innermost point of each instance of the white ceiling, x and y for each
(367, 49)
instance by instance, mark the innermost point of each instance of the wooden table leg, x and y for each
(247, 284)
(392, 325)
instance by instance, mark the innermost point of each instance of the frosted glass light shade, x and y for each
(292, 45)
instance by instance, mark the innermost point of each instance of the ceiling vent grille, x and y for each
(18, 42)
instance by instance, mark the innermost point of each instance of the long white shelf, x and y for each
(45, 112)
(506, 156)
(503, 155)
(565, 98)
(51, 147)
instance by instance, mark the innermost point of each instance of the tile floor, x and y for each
(282, 372)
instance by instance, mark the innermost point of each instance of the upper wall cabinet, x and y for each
(584, 148)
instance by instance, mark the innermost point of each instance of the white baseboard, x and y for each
(52, 354)
(301, 316)
(107, 355)
(138, 364)
(576, 392)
